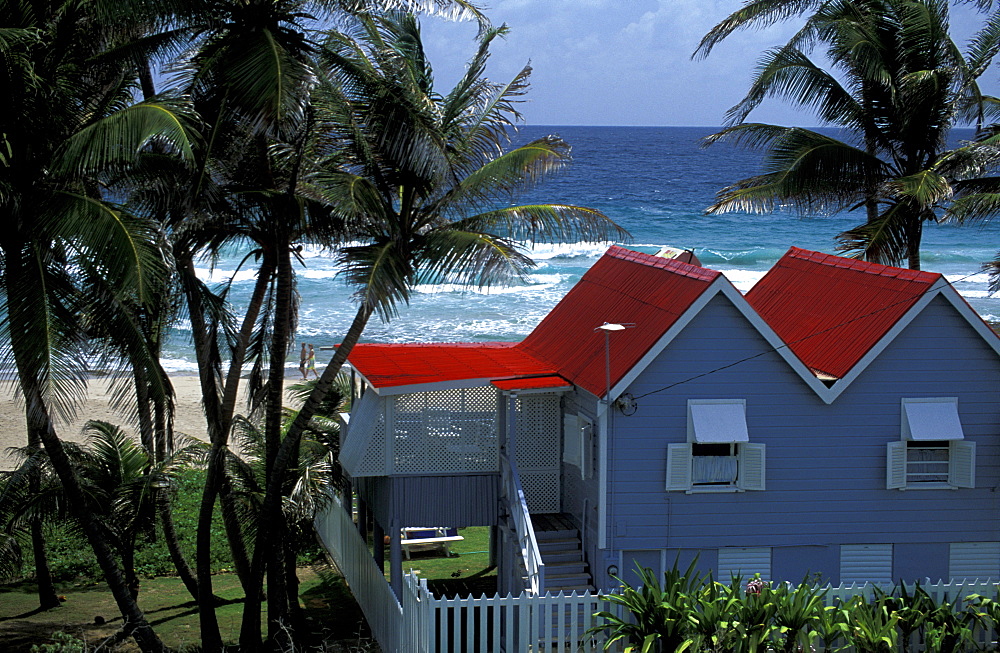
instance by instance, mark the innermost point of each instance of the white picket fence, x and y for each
(527, 622)
(423, 623)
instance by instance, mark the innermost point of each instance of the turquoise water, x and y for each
(655, 182)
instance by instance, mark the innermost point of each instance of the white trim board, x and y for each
(724, 287)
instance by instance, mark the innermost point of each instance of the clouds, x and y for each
(619, 62)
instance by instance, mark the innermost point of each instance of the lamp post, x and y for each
(607, 451)
(607, 328)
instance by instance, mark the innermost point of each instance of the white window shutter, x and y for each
(751, 475)
(962, 463)
(678, 467)
(585, 435)
(571, 440)
(895, 465)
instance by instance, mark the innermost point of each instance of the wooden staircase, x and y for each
(562, 553)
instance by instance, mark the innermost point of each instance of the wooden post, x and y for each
(395, 557)
(363, 519)
(378, 542)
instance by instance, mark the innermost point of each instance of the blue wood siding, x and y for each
(454, 501)
(825, 464)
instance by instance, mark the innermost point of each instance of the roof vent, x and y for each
(678, 254)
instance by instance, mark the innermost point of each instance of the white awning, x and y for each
(717, 420)
(934, 418)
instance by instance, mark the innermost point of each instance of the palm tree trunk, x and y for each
(277, 612)
(914, 231)
(173, 544)
(296, 614)
(271, 509)
(230, 517)
(47, 597)
(211, 636)
(147, 433)
(219, 419)
(135, 620)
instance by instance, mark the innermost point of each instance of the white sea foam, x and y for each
(178, 365)
(981, 277)
(744, 279)
(545, 251)
(437, 288)
(217, 275)
(976, 294)
(318, 274)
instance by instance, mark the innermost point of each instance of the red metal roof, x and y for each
(533, 383)
(832, 310)
(622, 287)
(392, 365)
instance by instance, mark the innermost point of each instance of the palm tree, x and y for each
(308, 486)
(422, 180)
(68, 121)
(898, 84)
(250, 76)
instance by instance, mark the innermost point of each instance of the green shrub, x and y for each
(62, 643)
(71, 558)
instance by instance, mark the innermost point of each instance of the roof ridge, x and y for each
(859, 265)
(673, 265)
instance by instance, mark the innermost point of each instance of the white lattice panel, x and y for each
(444, 432)
(363, 453)
(537, 432)
(537, 451)
(541, 489)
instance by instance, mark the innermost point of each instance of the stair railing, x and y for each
(510, 482)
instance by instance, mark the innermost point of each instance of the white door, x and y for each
(537, 451)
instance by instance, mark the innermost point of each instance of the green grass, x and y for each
(170, 610)
(467, 569)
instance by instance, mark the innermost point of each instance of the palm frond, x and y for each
(754, 14)
(118, 139)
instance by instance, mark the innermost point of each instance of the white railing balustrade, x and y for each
(513, 493)
(340, 536)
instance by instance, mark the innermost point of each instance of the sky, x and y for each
(628, 62)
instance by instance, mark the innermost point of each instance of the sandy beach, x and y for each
(188, 419)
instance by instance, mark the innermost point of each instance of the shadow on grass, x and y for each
(332, 610)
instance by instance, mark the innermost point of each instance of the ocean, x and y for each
(654, 181)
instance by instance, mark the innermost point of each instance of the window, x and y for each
(932, 452)
(718, 456)
(578, 444)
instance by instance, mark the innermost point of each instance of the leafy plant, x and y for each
(713, 618)
(61, 643)
(659, 617)
(797, 615)
(755, 615)
(872, 626)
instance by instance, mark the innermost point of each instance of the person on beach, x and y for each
(303, 358)
(311, 366)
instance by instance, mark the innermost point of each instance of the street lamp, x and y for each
(608, 328)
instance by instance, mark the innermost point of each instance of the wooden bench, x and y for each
(429, 537)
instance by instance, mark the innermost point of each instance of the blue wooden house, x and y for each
(839, 421)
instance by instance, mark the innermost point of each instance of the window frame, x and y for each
(961, 461)
(750, 456)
